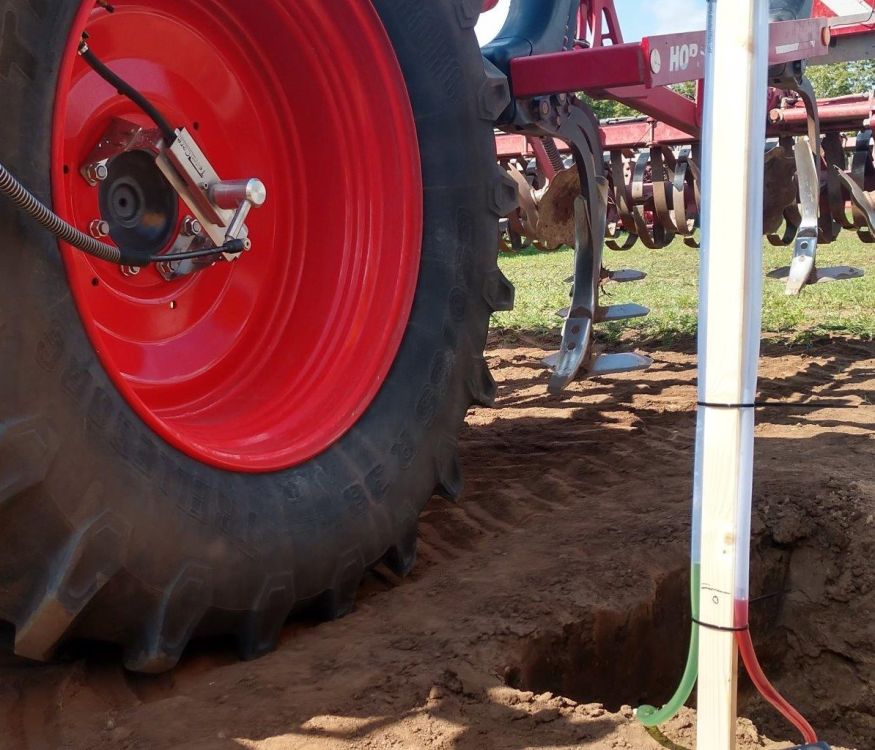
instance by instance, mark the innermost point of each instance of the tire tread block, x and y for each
(269, 613)
(27, 449)
(92, 557)
(172, 623)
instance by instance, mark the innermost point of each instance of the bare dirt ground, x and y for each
(552, 597)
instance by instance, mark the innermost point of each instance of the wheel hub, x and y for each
(138, 203)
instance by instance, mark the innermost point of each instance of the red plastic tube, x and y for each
(755, 672)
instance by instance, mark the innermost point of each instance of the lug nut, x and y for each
(94, 173)
(130, 270)
(191, 227)
(99, 228)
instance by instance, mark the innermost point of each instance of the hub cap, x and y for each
(259, 364)
(138, 203)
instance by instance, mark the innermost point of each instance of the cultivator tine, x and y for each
(861, 164)
(822, 275)
(803, 269)
(613, 364)
(623, 276)
(578, 329)
(551, 360)
(576, 342)
(834, 155)
(626, 275)
(577, 332)
(621, 312)
(567, 120)
(863, 202)
(805, 250)
(609, 364)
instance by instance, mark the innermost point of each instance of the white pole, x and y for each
(729, 336)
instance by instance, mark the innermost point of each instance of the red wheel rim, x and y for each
(260, 364)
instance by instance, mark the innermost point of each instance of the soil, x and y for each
(552, 597)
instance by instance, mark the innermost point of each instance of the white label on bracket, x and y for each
(680, 56)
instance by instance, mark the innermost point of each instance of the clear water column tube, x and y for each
(734, 131)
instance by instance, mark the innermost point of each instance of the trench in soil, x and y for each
(636, 656)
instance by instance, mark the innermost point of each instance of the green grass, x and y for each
(670, 291)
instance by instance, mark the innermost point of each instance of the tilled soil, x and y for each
(552, 597)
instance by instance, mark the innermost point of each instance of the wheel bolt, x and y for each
(99, 228)
(191, 227)
(94, 173)
(130, 270)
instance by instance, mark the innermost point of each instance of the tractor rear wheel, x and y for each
(207, 455)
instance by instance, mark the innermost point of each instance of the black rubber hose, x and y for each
(31, 205)
(125, 89)
(231, 246)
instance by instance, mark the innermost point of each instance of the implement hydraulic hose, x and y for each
(650, 716)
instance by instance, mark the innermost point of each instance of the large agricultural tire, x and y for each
(109, 531)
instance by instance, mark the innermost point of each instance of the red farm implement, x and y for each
(652, 161)
(237, 342)
(644, 173)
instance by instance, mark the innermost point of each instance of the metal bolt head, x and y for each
(94, 173)
(191, 227)
(826, 36)
(166, 270)
(98, 228)
(544, 107)
(130, 270)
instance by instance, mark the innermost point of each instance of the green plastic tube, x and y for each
(650, 716)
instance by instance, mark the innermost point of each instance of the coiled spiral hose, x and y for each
(33, 207)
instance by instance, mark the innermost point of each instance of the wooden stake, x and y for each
(729, 334)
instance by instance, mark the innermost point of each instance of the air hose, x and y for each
(650, 716)
(33, 207)
(39, 212)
